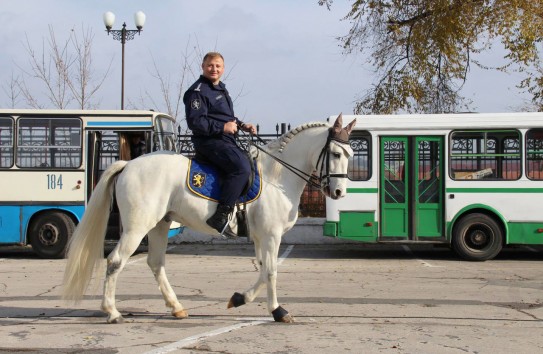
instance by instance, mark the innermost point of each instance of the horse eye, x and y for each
(337, 155)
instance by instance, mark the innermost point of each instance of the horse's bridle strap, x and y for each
(303, 175)
(313, 180)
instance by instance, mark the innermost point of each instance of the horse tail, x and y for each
(86, 246)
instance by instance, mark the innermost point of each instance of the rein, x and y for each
(314, 181)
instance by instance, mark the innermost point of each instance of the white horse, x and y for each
(151, 191)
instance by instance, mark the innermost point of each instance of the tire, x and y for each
(49, 234)
(477, 237)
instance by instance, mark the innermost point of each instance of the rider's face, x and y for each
(213, 68)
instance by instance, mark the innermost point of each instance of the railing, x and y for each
(312, 203)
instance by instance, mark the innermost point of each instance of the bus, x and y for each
(51, 160)
(472, 181)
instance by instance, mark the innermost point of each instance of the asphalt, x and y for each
(345, 298)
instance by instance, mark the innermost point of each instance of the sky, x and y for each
(283, 60)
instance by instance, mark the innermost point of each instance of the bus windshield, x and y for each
(164, 136)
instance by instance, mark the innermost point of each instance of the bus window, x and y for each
(534, 154)
(6, 142)
(49, 143)
(360, 163)
(109, 150)
(492, 154)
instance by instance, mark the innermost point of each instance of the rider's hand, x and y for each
(248, 127)
(230, 127)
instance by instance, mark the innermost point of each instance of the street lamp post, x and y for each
(123, 35)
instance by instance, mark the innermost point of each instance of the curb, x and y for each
(306, 231)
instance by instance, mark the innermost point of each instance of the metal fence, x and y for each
(312, 203)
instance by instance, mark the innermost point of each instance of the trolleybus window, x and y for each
(49, 143)
(6, 142)
(360, 163)
(534, 154)
(492, 154)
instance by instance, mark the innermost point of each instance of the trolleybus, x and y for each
(50, 161)
(472, 181)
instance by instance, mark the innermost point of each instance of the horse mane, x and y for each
(279, 144)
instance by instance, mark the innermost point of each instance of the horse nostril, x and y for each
(338, 192)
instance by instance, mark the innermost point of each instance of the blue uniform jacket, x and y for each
(208, 107)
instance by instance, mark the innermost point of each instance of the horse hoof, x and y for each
(282, 315)
(180, 314)
(236, 300)
(286, 319)
(115, 320)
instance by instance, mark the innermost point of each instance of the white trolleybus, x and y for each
(50, 161)
(473, 181)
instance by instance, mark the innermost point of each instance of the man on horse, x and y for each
(210, 115)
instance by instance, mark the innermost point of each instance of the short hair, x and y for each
(212, 55)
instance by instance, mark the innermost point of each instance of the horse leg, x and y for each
(248, 296)
(270, 252)
(158, 241)
(116, 261)
(268, 275)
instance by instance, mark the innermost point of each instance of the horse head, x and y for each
(336, 159)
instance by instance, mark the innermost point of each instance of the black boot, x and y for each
(220, 218)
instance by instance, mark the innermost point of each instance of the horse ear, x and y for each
(349, 128)
(338, 124)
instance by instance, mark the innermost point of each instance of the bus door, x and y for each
(104, 148)
(411, 188)
(94, 140)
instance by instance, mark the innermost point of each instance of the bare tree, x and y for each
(50, 67)
(81, 72)
(63, 69)
(12, 90)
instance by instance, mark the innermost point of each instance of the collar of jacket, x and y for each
(220, 86)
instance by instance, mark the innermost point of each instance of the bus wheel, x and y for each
(49, 234)
(477, 237)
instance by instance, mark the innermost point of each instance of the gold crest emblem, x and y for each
(198, 179)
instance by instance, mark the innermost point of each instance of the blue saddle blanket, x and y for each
(204, 181)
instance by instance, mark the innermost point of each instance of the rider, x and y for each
(210, 116)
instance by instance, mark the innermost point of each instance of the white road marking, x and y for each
(285, 254)
(423, 262)
(198, 337)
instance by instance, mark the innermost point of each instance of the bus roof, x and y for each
(445, 121)
(79, 112)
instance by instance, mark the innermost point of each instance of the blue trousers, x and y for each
(233, 165)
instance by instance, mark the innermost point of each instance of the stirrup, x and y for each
(226, 232)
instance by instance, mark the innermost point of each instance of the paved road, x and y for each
(345, 298)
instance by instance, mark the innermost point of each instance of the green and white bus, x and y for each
(473, 181)
(51, 160)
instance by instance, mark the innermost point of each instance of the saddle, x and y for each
(203, 180)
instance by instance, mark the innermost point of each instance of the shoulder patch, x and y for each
(195, 104)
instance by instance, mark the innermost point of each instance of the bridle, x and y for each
(325, 174)
(323, 180)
